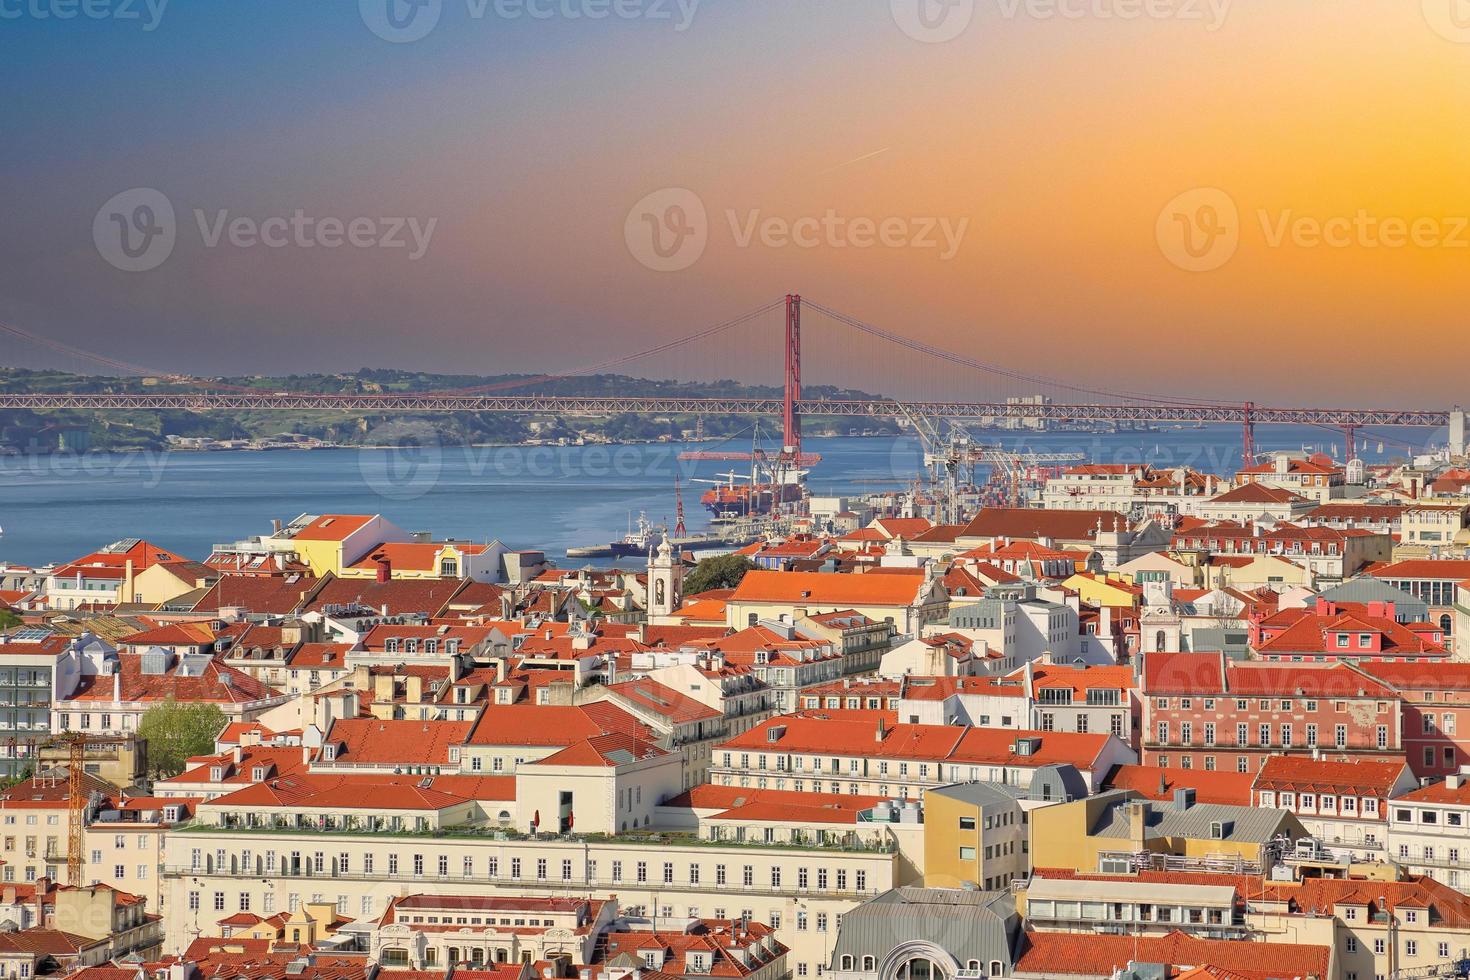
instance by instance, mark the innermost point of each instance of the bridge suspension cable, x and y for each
(621, 359)
(964, 360)
(70, 351)
(510, 384)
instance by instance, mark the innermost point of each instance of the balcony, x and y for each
(358, 828)
(556, 883)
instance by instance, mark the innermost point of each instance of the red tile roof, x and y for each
(1229, 788)
(604, 752)
(45, 942)
(1025, 522)
(319, 656)
(416, 556)
(1307, 632)
(1455, 569)
(257, 593)
(1091, 954)
(1441, 792)
(277, 760)
(332, 527)
(399, 597)
(216, 683)
(551, 725)
(198, 634)
(1439, 676)
(1200, 673)
(1323, 895)
(1297, 773)
(664, 701)
(830, 588)
(832, 734)
(373, 741)
(1258, 493)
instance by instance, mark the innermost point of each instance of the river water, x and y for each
(55, 508)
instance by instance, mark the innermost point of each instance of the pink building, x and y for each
(1202, 711)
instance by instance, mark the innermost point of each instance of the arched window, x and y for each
(1160, 641)
(995, 968)
(972, 967)
(869, 964)
(847, 962)
(1445, 624)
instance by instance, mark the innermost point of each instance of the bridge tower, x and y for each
(791, 418)
(1248, 438)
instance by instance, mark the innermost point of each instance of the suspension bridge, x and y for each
(1047, 400)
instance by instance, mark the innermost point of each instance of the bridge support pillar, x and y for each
(791, 419)
(1248, 438)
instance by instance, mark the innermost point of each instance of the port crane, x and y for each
(951, 456)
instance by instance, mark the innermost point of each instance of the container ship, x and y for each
(730, 500)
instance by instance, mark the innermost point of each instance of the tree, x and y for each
(719, 572)
(9, 620)
(177, 731)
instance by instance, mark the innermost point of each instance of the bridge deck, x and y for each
(576, 405)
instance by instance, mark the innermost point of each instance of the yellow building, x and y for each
(332, 542)
(1105, 590)
(428, 560)
(1103, 833)
(167, 580)
(1247, 572)
(308, 924)
(974, 833)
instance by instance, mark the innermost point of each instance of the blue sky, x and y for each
(524, 144)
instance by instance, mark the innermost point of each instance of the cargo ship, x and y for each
(731, 500)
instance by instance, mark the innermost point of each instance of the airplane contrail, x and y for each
(848, 163)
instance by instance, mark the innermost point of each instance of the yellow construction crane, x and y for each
(76, 746)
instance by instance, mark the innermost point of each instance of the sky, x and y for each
(1236, 199)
